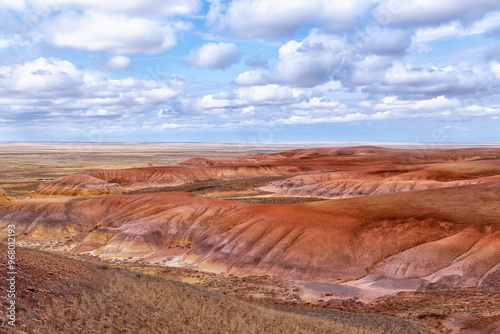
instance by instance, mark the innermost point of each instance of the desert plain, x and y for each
(252, 238)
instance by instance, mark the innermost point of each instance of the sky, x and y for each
(250, 71)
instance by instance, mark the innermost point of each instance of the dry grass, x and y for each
(101, 299)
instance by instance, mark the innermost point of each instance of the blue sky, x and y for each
(241, 70)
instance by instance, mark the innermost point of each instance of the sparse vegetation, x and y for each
(276, 200)
(92, 300)
(102, 266)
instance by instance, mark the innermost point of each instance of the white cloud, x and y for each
(271, 94)
(307, 63)
(13, 4)
(182, 26)
(316, 103)
(171, 126)
(4, 43)
(475, 110)
(119, 63)
(275, 18)
(142, 7)
(495, 69)
(428, 81)
(347, 118)
(247, 110)
(311, 61)
(255, 77)
(211, 55)
(456, 29)
(423, 12)
(429, 34)
(118, 34)
(208, 101)
(439, 103)
(388, 42)
(405, 74)
(40, 78)
(98, 112)
(267, 94)
(364, 71)
(153, 96)
(49, 84)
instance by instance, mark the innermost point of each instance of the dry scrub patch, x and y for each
(60, 295)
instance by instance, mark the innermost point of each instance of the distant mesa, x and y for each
(79, 184)
(147, 164)
(197, 162)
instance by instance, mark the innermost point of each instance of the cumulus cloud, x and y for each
(494, 68)
(58, 87)
(360, 71)
(307, 63)
(320, 58)
(439, 103)
(311, 61)
(345, 118)
(271, 94)
(475, 110)
(151, 7)
(316, 103)
(119, 34)
(208, 102)
(277, 18)
(418, 12)
(41, 78)
(267, 94)
(421, 82)
(119, 63)
(388, 42)
(219, 56)
(255, 77)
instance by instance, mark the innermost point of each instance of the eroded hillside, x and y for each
(367, 222)
(360, 170)
(440, 237)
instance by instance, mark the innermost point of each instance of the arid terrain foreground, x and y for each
(238, 239)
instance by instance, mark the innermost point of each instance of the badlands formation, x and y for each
(430, 220)
(354, 170)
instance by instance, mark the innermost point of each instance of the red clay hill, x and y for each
(447, 237)
(436, 225)
(368, 169)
